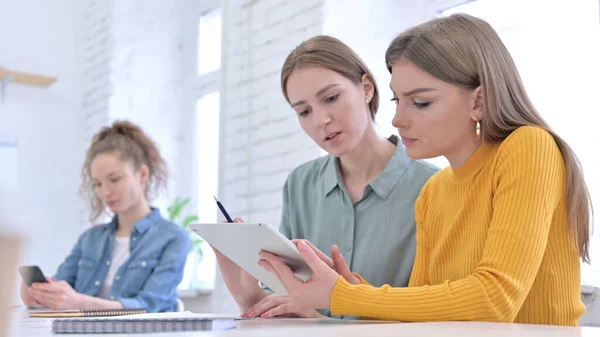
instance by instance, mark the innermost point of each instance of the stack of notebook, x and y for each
(85, 313)
(142, 323)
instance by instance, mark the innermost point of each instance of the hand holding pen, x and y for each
(223, 211)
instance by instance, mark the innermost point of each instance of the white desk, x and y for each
(25, 327)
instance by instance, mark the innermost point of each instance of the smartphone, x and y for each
(32, 274)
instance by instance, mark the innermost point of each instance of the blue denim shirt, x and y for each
(147, 279)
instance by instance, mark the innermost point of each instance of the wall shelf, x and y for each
(20, 77)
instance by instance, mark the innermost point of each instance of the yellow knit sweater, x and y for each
(492, 244)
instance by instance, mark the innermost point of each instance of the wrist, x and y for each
(82, 301)
(28, 300)
(245, 302)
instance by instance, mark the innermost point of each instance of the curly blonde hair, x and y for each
(132, 144)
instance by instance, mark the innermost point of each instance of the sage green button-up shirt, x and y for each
(376, 235)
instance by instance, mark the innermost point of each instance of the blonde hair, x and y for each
(132, 144)
(333, 54)
(466, 51)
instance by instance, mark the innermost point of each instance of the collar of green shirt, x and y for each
(383, 184)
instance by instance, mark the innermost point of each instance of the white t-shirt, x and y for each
(120, 254)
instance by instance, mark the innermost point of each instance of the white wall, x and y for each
(147, 76)
(261, 138)
(45, 38)
(138, 57)
(96, 67)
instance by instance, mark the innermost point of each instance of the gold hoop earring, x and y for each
(478, 130)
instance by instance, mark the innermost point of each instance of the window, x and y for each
(201, 273)
(555, 46)
(209, 42)
(207, 128)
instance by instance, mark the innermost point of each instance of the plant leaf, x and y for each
(200, 254)
(173, 209)
(188, 220)
(178, 207)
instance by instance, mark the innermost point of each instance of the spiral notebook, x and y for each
(156, 322)
(85, 313)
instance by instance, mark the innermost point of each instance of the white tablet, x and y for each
(241, 242)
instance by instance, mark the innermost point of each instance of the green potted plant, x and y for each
(175, 211)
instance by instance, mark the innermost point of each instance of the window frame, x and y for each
(198, 86)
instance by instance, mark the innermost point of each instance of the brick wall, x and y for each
(261, 140)
(134, 70)
(147, 77)
(97, 54)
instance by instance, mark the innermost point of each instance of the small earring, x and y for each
(367, 100)
(478, 130)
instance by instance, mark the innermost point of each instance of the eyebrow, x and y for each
(414, 91)
(321, 91)
(108, 175)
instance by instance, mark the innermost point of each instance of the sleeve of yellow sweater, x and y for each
(419, 277)
(530, 183)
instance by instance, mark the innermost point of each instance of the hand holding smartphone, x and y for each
(32, 274)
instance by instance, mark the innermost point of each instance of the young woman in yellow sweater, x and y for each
(499, 232)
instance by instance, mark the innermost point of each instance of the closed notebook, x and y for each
(85, 313)
(158, 322)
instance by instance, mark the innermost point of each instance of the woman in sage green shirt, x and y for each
(361, 196)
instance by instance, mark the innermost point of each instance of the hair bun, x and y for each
(123, 128)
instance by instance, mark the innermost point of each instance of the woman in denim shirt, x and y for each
(137, 259)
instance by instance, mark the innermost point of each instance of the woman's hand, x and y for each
(335, 262)
(26, 296)
(314, 293)
(279, 306)
(58, 295)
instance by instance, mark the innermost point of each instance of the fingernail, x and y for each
(303, 246)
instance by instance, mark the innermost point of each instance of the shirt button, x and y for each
(134, 238)
(144, 263)
(80, 262)
(112, 297)
(108, 263)
(117, 277)
(97, 283)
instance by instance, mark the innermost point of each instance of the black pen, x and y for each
(223, 210)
